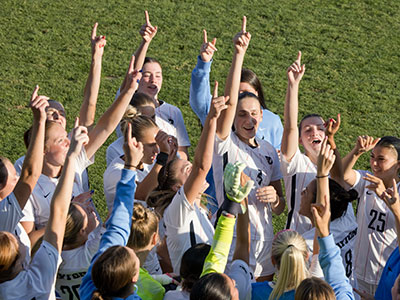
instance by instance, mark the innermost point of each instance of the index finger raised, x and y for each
(244, 24)
(128, 133)
(76, 124)
(94, 31)
(35, 92)
(146, 15)
(215, 93)
(204, 36)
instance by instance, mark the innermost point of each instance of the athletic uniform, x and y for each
(75, 263)
(297, 174)
(376, 236)
(262, 166)
(37, 209)
(389, 275)
(186, 225)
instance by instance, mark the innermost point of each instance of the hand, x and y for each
(133, 150)
(326, 158)
(79, 138)
(242, 39)
(173, 147)
(98, 42)
(364, 295)
(147, 31)
(84, 198)
(365, 143)
(208, 48)
(332, 126)
(392, 199)
(296, 71)
(322, 215)
(38, 105)
(162, 141)
(218, 104)
(132, 77)
(232, 178)
(376, 184)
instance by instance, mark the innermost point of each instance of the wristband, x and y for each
(130, 166)
(162, 158)
(322, 176)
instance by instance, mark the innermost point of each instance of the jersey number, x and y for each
(380, 221)
(348, 258)
(71, 291)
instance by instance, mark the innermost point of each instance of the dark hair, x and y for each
(3, 172)
(141, 99)
(248, 95)
(112, 271)
(307, 117)
(390, 142)
(151, 60)
(73, 225)
(251, 78)
(212, 286)
(314, 289)
(192, 264)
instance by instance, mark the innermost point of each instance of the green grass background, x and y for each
(350, 48)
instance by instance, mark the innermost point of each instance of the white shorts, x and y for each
(259, 260)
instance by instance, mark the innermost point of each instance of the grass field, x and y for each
(351, 50)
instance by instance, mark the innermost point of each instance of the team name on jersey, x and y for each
(347, 239)
(71, 276)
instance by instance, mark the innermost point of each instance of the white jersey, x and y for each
(74, 265)
(243, 276)
(37, 208)
(37, 280)
(376, 236)
(116, 150)
(344, 231)
(112, 175)
(297, 174)
(186, 225)
(262, 166)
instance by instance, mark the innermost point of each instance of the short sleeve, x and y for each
(10, 213)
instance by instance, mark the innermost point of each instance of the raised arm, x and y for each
(364, 144)
(200, 95)
(55, 228)
(241, 42)
(110, 119)
(204, 150)
(290, 138)
(33, 163)
(91, 91)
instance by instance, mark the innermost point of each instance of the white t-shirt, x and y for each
(178, 217)
(116, 150)
(344, 231)
(262, 166)
(243, 276)
(112, 176)
(376, 236)
(302, 170)
(37, 281)
(74, 265)
(37, 208)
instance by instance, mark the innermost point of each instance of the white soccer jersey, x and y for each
(74, 265)
(262, 166)
(186, 225)
(297, 174)
(376, 236)
(112, 176)
(344, 231)
(116, 150)
(38, 207)
(37, 280)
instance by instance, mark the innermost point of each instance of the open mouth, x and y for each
(316, 141)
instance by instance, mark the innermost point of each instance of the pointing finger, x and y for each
(244, 24)
(213, 42)
(76, 124)
(146, 15)
(35, 92)
(94, 31)
(298, 60)
(215, 94)
(204, 36)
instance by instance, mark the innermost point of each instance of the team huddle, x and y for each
(200, 230)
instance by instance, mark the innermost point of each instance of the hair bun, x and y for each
(353, 195)
(139, 213)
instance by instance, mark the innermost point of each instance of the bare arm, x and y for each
(91, 91)
(33, 163)
(225, 121)
(290, 137)
(242, 248)
(55, 228)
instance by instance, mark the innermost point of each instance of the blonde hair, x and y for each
(144, 225)
(74, 224)
(9, 250)
(289, 250)
(139, 122)
(314, 289)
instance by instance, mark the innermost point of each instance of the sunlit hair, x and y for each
(139, 123)
(8, 251)
(113, 270)
(141, 99)
(251, 78)
(289, 250)
(314, 289)
(144, 225)
(74, 224)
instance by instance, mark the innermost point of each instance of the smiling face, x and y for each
(57, 145)
(384, 162)
(312, 133)
(151, 81)
(247, 119)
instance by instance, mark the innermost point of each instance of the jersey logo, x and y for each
(47, 194)
(171, 121)
(369, 192)
(269, 160)
(259, 177)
